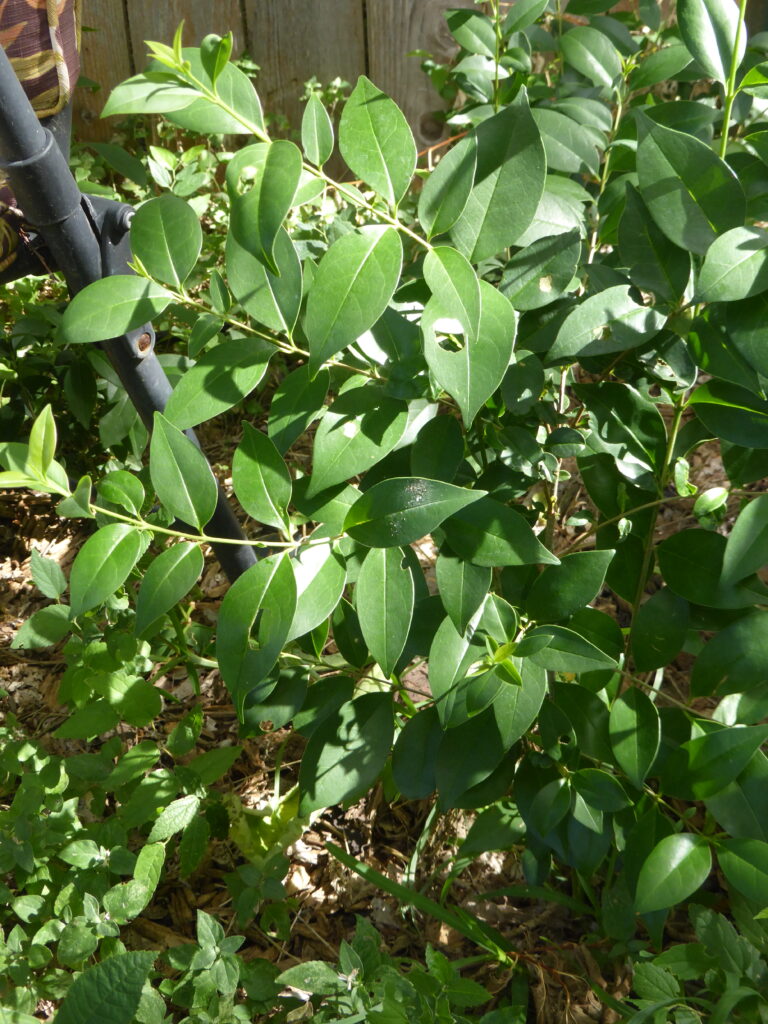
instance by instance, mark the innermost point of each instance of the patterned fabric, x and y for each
(42, 39)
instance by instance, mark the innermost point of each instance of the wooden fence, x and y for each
(291, 40)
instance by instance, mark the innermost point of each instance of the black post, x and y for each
(46, 191)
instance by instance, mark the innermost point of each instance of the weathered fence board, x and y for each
(291, 41)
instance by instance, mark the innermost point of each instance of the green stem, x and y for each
(730, 86)
(497, 29)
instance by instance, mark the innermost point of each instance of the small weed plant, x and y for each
(514, 357)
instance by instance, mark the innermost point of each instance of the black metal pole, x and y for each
(46, 191)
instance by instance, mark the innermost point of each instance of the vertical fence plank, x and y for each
(395, 28)
(292, 40)
(105, 58)
(159, 21)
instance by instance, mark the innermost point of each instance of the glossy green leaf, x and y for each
(635, 733)
(610, 321)
(346, 752)
(692, 195)
(746, 550)
(357, 431)
(235, 91)
(455, 288)
(47, 575)
(660, 65)
(492, 534)
(521, 14)
(463, 587)
(399, 511)
(561, 590)
(732, 413)
(42, 444)
(102, 565)
(263, 208)
(450, 655)
(744, 863)
(166, 236)
(659, 630)
(472, 30)
(709, 29)
(272, 299)
(107, 992)
(316, 131)
(600, 790)
(592, 54)
(509, 181)
(149, 93)
(320, 577)
(549, 806)
(445, 192)
(110, 307)
(354, 282)
(182, 479)
(673, 871)
(654, 263)
(542, 271)
(170, 576)
(254, 621)
(471, 374)
(261, 479)
(691, 563)
(735, 266)
(413, 759)
(563, 650)
(384, 599)
(297, 401)
(376, 141)
(220, 379)
(568, 147)
(43, 628)
(123, 489)
(704, 766)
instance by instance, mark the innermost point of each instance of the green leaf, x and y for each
(561, 590)
(77, 505)
(438, 449)
(123, 489)
(635, 733)
(704, 766)
(81, 853)
(732, 413)
(384, 599)
(102, 565)
(313, 976)
(346, 753)
(472, 30)
(568, 147)
(454, 286)
(509, 182)
(357, 431)
(654, 263)
(492, 534)
(261, 479)
(222, 378)
(472, 374)
(170, 576)
(592, 54)
(399, 511)
(262, 210)
(735, 266)
(316, 131)
(108, 992)
(151, 93)
(463, 587)
(297, 401)
(413, 759)
(542, 271)
(744, 863)
(215, 52)
(445, 192)
(42, 444)
(272, 299)
(182, 479)
(320, 578)
(192, 846)
(660, 65)
(610, 321)
(262, 601)
(691, 563)
(174, 818)
(166, 236)
(563, 650)
(659, 630)
(43, 628)
(746, 550)
(692, 195)
(521, 14)
(709, 29)
(600, 790)
(111, 307)
(235, 91)
(376, 141)
(673, 871)
(353, 284)
(47, 575)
